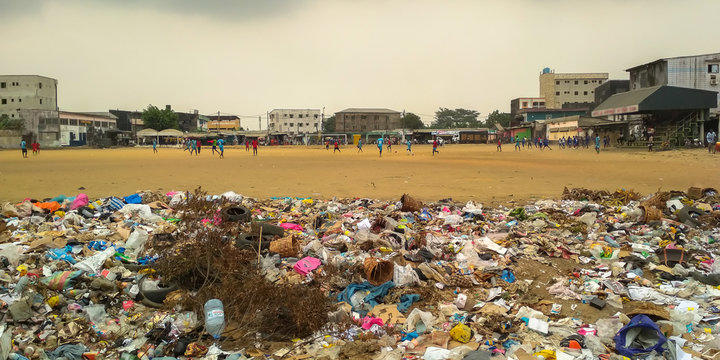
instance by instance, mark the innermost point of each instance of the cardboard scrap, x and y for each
(388, 313)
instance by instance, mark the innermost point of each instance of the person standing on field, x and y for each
(711, 139)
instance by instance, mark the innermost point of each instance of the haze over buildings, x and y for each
(249, 57)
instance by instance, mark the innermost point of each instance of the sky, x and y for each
(247, 57)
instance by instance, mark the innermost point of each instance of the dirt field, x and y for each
(461, 172)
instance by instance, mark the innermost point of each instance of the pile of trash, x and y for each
(190, 275)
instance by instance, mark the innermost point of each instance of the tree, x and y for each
(11, 124)
(458, 118)
(496, 117)
(412, 121)
(329, 125)
(154, 118)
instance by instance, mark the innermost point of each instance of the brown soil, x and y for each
(461, 172)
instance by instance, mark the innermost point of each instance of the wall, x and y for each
(302, 120)
(609, 88)
(653, 74)
(10, 139)
(558, 88)
(545, 115)
(364, 122)
(26, 92)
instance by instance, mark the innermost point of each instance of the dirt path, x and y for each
(461, 172)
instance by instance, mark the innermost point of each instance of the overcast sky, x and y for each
(247, 57)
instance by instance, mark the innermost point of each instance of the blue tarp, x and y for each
(373, 298)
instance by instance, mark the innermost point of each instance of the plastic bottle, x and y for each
(214, 318)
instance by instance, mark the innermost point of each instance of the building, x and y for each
(531, 115)
(295, 121)
(218, 123)
(609, 88)
(559, 89)
(518, 105)
(696, 72)
(128, 120)
(22, 92)
(367, 119)
(571, 126)
(52, 128)
(671, 114)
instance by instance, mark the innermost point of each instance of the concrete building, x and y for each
(518, 105)
(295, 121)
(21, 92)
(52, 128)
(559, 89)
(609, 88)
(700, 72)
(367, 119)
(218, 123)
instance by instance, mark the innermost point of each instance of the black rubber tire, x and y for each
(236, 214)
(688, 215)
(267, 229)
(156, 296)
(250, 241)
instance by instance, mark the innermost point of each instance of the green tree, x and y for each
(329, 125)
(496, 117)
(412, 121)
(154, 118)
(11, 124)
(458, 118)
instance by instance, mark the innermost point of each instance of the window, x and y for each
(284, 115)
(576, 93)
(599, 81)
(316, 116)
(292, 124)
(285, 124)
(714, 68)
(307, 124)
(300, 116)
(73, 122)
(584, 92)
(567, 92)
(585, 82)
(557, 82)
(4, 101)
(291, 116)
(40, 85)
(64, 122)
(19, 100)
(40, 101)
(557, 93)
(567, 81)
(3, 85)
(576, 82)
(12, 115)
(12, 100)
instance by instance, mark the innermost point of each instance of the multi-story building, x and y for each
(575, 89)
(21, 92)
(365, 119)
(696, 72)
(609, 88)
(54, 128)
(518, 105)
(295, 121)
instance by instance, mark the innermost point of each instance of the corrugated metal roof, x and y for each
(670, 58)
(657, 98)
(368, 110)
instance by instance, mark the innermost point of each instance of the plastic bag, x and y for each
(60, 280)
(419, 321)
(405, 276)
(94, 263)
(607, 328)
(232, 197)
(136, 242)
(11, 252)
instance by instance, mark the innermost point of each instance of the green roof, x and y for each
(657, 98)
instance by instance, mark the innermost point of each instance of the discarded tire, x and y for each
(689, 215)
(236, 214)
(250, 241)
(267, 229)
(155, 295)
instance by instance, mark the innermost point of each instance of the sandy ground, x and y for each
(460, 172)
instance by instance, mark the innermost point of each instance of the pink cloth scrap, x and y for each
(368, 322)
(291, 226)
(306, 265)
(80, 201)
